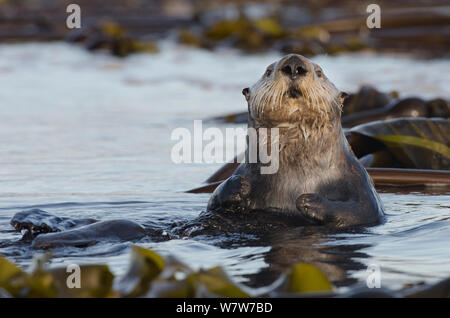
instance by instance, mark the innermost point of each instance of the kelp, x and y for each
(403, 28)
(397, 177)
(112, 37)
(421, 143)
(267, 32)
(149, 275)
(145, 266)
(337, 35)
(95, 280)
(438, 180)
(260, 34)
(306, 278)
(242, 32)
(366, 98)
(407, 107)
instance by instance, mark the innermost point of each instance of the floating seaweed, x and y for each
(151, 275)
(418, 143)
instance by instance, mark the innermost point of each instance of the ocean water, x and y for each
(89, 135)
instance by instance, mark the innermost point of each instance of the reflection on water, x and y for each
(88, 136)
(309, 245)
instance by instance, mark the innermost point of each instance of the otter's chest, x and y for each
(280, 190)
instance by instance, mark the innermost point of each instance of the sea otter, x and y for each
(318, 179)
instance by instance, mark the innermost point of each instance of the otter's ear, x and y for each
(343, 96)
(246, 93)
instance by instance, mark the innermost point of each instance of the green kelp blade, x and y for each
(12, 279)
(145, 266)
(306, 278)
(84, 281)
(420, 143)
(269, 26)
(171, 289)
(19, 283)
(173, 282)
(214, 282)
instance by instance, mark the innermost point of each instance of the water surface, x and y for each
(88, 135)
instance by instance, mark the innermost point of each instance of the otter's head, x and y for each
(292, 90)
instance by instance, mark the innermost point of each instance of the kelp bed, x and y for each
(151, 275)
(307, 27)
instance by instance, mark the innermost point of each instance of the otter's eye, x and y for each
(319, 73)
(268, 72)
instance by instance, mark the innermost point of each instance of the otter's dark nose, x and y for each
(294, 67)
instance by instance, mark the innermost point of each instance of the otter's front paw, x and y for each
(231, 194)
(238, 189)
(312, 206)
(244, 186)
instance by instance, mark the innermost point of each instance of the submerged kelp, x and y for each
(150, 275)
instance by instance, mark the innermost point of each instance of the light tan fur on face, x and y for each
(271, 106)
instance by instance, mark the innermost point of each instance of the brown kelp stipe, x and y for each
(409, 177)
(394, 177)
